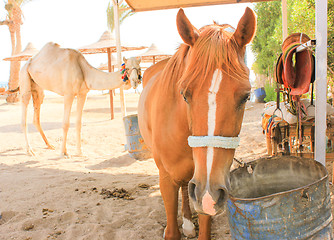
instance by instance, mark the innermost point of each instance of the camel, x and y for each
(66, 72)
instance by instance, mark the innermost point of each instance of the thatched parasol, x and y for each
(153, 54)
(107, 44)
(25, 55)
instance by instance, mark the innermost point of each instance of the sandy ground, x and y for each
(48, 197)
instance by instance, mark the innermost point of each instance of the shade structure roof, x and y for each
(153, 51)
(106, 41)
(148, 5)
(25, 55)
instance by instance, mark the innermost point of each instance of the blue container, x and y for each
(260, 95)
(135, 142)
(280, 198)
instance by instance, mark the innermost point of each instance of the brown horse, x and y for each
(190, 114)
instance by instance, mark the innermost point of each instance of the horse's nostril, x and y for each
(191, 188)
(222, 196)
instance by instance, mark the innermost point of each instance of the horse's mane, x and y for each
(175, 67)
(215, 48)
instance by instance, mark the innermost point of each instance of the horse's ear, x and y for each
(187, 31)
(138, 59)
(246, 28)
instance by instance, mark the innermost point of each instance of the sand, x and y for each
(48, 197)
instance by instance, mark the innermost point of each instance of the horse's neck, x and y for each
(99, 80)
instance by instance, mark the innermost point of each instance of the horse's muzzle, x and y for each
(209, 200)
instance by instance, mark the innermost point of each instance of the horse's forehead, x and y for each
(222, 85)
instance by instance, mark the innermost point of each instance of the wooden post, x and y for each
(321, 83)
(284, 19)
(153, 59)
(110, 91)
(119, 55)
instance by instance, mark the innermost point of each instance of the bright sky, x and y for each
(75, 23)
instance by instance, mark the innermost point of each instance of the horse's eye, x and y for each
(185, 99)
(245, 99)
(184, 96)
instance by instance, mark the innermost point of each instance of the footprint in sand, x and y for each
(7, 216)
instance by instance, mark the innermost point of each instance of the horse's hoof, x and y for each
(175, 237)
(188, 228)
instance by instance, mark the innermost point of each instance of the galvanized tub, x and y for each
(135, 142)
(280, 198)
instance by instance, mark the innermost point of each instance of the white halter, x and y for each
(214, 141)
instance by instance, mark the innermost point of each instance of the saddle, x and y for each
(296, 70)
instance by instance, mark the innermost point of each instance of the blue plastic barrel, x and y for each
(260, 95)
(135, 142)
(280, 198)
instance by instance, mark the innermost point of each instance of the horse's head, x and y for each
(133, 71)
(215, 86)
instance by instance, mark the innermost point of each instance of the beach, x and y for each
(105, 194)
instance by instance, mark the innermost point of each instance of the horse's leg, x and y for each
(187, 226)
(204, 227)
(169, 192)
(37, 98)
(80, 104)
(68, 100)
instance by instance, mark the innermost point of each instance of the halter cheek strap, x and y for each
(214, 141)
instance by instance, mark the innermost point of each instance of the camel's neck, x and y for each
(99, 80)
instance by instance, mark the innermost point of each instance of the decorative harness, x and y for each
(125, 74)
(214, 141)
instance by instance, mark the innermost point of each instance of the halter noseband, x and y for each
(214, 141)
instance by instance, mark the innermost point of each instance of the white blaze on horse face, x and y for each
(215, 84)
(207, 201)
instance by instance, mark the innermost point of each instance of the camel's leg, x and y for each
(68, 101)
(37, 97)
(25, 92)
(188, 226)
(25, 99)
(169, 192)
(80, 104)
(204, 227)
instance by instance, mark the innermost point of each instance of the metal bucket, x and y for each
(135, 142)
(280, 198)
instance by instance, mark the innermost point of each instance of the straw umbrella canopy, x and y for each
(153, 54)
(107, 44)
(25, 55)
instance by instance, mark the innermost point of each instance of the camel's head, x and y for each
(132, 67)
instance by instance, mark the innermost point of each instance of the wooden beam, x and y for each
(119, 53)
(321, 83)
(110, 91)
(284, 19)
